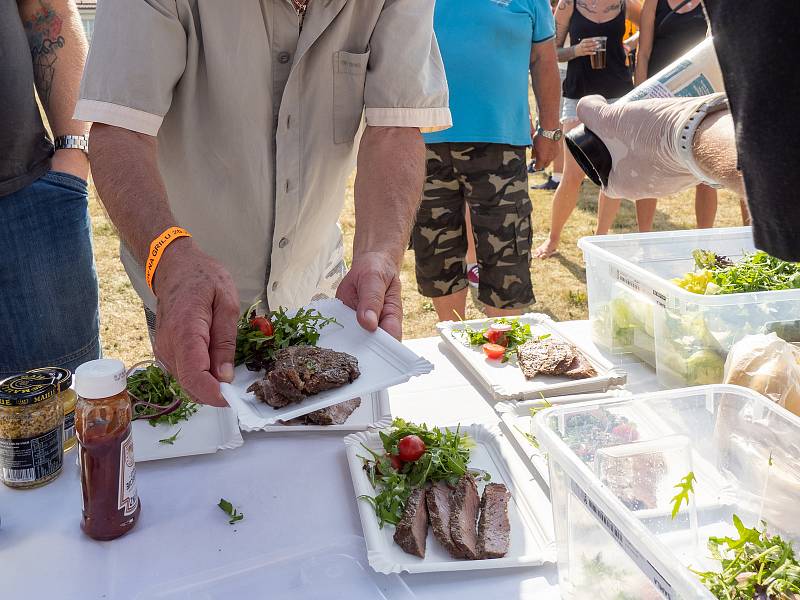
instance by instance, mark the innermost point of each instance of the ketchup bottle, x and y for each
(108, 470)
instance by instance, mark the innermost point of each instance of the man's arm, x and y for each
(646, 34)
(197, 300)
(388, 189)
(547, 91)
(58, 50)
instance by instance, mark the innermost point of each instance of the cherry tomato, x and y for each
(496, 337)
(493, 351)
(411, 447)
(262, 324)
(626, 432)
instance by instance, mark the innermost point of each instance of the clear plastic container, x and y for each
(635, 308)
(614, 464)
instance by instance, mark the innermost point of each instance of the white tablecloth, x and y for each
(294, 490)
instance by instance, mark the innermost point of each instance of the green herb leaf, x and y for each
(228, 509)
(257, 350)
(157, 387)
(171, 439)
(685, 486)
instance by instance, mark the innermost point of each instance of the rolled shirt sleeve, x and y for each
(406, 84)
(543, 21)
(137, 56)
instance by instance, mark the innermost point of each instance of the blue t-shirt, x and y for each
(486, 49)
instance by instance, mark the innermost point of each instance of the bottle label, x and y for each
(128, 496)
(69, 426)
(24, 460)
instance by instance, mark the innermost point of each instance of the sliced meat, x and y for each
(412, 530)
(553, 357)
(333, 415)
(543, 356)
(301, 371)
(493, 527)
(463, 516)
(580, 368)
(438, 499)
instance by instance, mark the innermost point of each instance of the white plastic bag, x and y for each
(768, 365)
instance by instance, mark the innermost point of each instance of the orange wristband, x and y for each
(157, 247)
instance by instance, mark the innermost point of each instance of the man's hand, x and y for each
(544, 151)
(372, 288)
(642, 138)
(198, 308)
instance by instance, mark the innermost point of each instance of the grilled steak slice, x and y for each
(412, 530)
(333, 415)
(301, 371)
(463, 515)
(553, 357)
(493, 526)
(580, 368)
(438, 498)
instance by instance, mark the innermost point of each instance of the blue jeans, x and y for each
(48, 284)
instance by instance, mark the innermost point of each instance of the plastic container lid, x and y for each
(101, 378)
(24, 390)
(61, 377)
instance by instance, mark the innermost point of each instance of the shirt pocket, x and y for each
(349, 78)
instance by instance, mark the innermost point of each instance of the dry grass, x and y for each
(559, 283)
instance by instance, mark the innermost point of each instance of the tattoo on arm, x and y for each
(43, 30)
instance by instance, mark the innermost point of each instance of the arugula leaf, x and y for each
(686, 486)
(754, 272)
(537, 409)
(753, 565)
(529, 436)
(155, 386)
(257, 350)
(228, 509)
(445, 458)
(171, 439)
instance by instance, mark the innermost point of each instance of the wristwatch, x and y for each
(550, 134)
(78, 142)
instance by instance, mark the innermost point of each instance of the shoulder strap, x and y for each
(672, 12)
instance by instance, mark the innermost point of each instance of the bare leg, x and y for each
(491, 311)
(705, 206)
(745, 211)
(646, 213)
(558, 161)
(471, 257)
(564, 201)
(607, 209)
(447, 306)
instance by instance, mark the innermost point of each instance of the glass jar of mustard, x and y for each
(31, 431)
(63, 381)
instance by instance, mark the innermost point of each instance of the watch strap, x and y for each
(67, 142)
(550, 134)
(684, 136)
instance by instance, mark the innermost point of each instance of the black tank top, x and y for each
(613, 81)
(24, 146)
(674, 35)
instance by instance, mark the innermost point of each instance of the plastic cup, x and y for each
(598, 59)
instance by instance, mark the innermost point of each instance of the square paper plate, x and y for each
(505, 381)
(382, 360)
(532, 541)
(208, 430)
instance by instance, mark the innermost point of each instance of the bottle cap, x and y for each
(100, 378)
(590, 153)
(61, 377)
(24, 389)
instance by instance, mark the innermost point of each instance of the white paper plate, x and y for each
(516, 423)
(382, 360)
(532, 539)
(208, 430)
(505, 381)
(374, 413)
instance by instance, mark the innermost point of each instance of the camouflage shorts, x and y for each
(491, 180)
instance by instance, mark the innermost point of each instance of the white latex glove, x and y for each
(643, 138)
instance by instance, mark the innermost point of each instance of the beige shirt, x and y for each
(258, 120)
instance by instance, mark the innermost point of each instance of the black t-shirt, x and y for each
(582, 80)
(674, 35)
(25, 149)
(755, 44)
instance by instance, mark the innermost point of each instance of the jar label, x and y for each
(128, 496)
(69, 426)
(25, 460)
